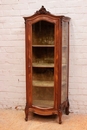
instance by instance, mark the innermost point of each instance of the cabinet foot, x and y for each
(26, 113)
(67, 108)
(26, 118)
(60, 116)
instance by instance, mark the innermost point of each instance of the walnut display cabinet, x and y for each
(47, 64)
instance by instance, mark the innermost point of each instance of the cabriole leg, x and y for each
(26, 113)
(60, 116)
(67, 108)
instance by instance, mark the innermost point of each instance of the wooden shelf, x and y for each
(42, 45)
(45, 65)
(43, 103)
(38, 83)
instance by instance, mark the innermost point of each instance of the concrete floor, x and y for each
(14, 120)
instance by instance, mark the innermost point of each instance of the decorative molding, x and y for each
(42, 11)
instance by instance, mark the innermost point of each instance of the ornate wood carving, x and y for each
(42, 11)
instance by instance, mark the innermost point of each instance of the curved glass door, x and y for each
(43, 64)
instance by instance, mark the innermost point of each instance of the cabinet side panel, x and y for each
(57, 66)
(65, 59)
(28, 65)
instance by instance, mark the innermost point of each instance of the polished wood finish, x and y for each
(47, 64)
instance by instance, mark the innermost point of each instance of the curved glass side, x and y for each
(64, 61)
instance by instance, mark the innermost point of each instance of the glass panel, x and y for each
(43, 33)
(43, 64)
(64, 61)
(43, 56)
(43, 87)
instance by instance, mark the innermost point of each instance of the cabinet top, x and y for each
(43, 12)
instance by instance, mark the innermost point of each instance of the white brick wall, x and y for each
(12, 49)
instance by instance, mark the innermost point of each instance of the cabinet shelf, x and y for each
(38, 83)
(44, 65)
(42, 45)
(43, 103)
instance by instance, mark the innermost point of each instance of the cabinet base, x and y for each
(45, 112)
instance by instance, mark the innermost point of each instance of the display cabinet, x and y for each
(47, 64)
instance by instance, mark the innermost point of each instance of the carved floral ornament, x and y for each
(42, 11)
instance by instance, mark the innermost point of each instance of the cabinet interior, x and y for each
(43, 33)
(43, 64)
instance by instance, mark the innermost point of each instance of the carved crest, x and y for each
(42, 11)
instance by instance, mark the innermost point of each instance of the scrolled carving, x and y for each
(42, 11)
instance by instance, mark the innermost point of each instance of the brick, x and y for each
(75, 85)
(13, 88)
(1, 25)
(80, 49)
(84, 80)
(11, 13)
(81, 62)
(18, 31)
(73, 3)
(7, 2)
(5, 31)
(12, 94)
(20, 6)
(22, 1)
(74, 79)
(1, 13)
(84, 71)
(73, 91)
(5, 7)
(13, 25)
(8, 43)
(76, 71)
